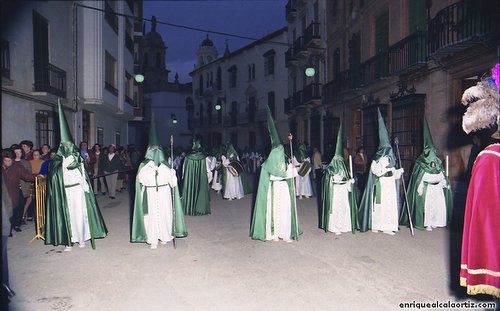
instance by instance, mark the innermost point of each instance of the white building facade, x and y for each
(230, 93)
(79, 52)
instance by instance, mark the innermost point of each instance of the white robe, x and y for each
(303, 184)
(385, 214)
(435, 203)
(158, 221)
(278, 211)
(233, 187)
(340, 217)
(75, 187)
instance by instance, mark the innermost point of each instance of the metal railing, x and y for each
(374, 68)
(311, 91)
(311, 32)
(408, 52)
(50, 79)
(463, 21)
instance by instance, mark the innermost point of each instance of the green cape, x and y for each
(141, 209)
(371, 189)
(154, 153)
(336, 166)
(195, 192)
(57, 218)
(275, 164)
(422, 165)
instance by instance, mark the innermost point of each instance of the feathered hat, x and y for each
(483, 100)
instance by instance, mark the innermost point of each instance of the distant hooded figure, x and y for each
(303, 180)
(480, 260)
(338, 202)
(71, 213)
(157, 202)
(274, 216)
(195, 191)
(429, 194)
(379, 208)
(233, 186)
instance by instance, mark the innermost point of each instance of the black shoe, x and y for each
(103, 193)
(10, 235)
(112, 198)
(9, 291)
(17, 229)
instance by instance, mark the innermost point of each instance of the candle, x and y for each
(350, 165)
(447, 165)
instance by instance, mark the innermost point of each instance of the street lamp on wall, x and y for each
(173, 118)
(139, 78)
(310, 72)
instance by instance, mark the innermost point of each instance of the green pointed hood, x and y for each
(384, 147)
(428, 143)
(383, 136)
(337, 164)
(154, 151)
(428, 159)
(302, 152)
(273, 132)
(339, 150)
(67, 145)
(231, 152)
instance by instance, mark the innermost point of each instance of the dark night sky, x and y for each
(250, 18)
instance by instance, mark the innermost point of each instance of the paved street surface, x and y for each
(218, 267)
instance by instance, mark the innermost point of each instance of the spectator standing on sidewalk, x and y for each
(111, 165)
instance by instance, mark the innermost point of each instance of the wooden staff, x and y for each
(350, 166)
(172, 191)
(290, 137)
(396, 142)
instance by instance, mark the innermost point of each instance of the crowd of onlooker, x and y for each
(21, 163)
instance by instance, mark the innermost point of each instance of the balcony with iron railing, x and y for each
(408, 53)
(129, 42)
(110, 17)
(288, 105)
(297, 99)
(299, 49)
(311, 94)
(374, 68)
(50, 79)
(290, 59)
(5, 52)
(291, 11)
(463, 24)
(312, 36)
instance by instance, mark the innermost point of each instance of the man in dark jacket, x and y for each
(12, 174)
(111, 164)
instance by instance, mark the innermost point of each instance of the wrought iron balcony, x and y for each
(374, 68)
(298, 47)
(312, 94)
(312, 35)
(129, 43)
(50, 79)
(110, 17)
(297, 99)
(291, 11)
(290, 59)
(287, 105)
(5, 52)
(463, 24)
(409, 52)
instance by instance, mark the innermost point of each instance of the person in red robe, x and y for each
(480, 259)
